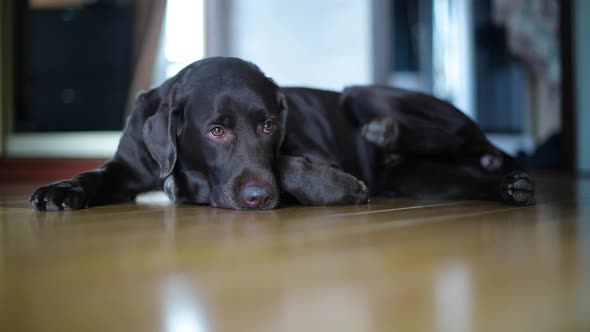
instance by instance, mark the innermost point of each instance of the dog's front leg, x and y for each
(313, 184)
(114, 182)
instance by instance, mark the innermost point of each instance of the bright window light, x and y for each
(181, 309)
(453, 53)
(183, 34)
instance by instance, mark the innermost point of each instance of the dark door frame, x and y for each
(568, 88)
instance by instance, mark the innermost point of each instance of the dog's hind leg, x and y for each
(391, 134)
(405, 123)
(445, 180)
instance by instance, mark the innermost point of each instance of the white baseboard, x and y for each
(97, 144)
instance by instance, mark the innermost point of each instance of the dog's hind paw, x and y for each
(383, 132)
(518, 188)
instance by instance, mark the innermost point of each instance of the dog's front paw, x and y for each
(383, 132)
(518, 189)
(58, 196)
(361, 193)
(170, 189)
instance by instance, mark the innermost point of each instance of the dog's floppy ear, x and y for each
(283, 111)
(161, 130)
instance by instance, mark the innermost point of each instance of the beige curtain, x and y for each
(149, 20)
(532, 32)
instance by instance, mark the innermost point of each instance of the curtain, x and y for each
(149, 20)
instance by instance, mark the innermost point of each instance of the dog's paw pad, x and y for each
(518, 189)
(382, 132)
(521, 184)
(491, 162)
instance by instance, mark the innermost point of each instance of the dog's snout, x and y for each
(257, 196)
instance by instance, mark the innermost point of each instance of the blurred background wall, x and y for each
(325, 43)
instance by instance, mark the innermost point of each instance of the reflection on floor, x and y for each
(392, 265)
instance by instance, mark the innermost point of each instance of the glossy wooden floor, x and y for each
(394, 265)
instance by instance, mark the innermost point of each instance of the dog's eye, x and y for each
(269, 127)
(217, 131)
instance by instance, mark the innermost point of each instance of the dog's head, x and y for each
(223, 118)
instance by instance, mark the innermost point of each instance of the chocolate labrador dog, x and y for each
(222, 133)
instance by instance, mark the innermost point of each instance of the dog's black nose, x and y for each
(257, 196)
